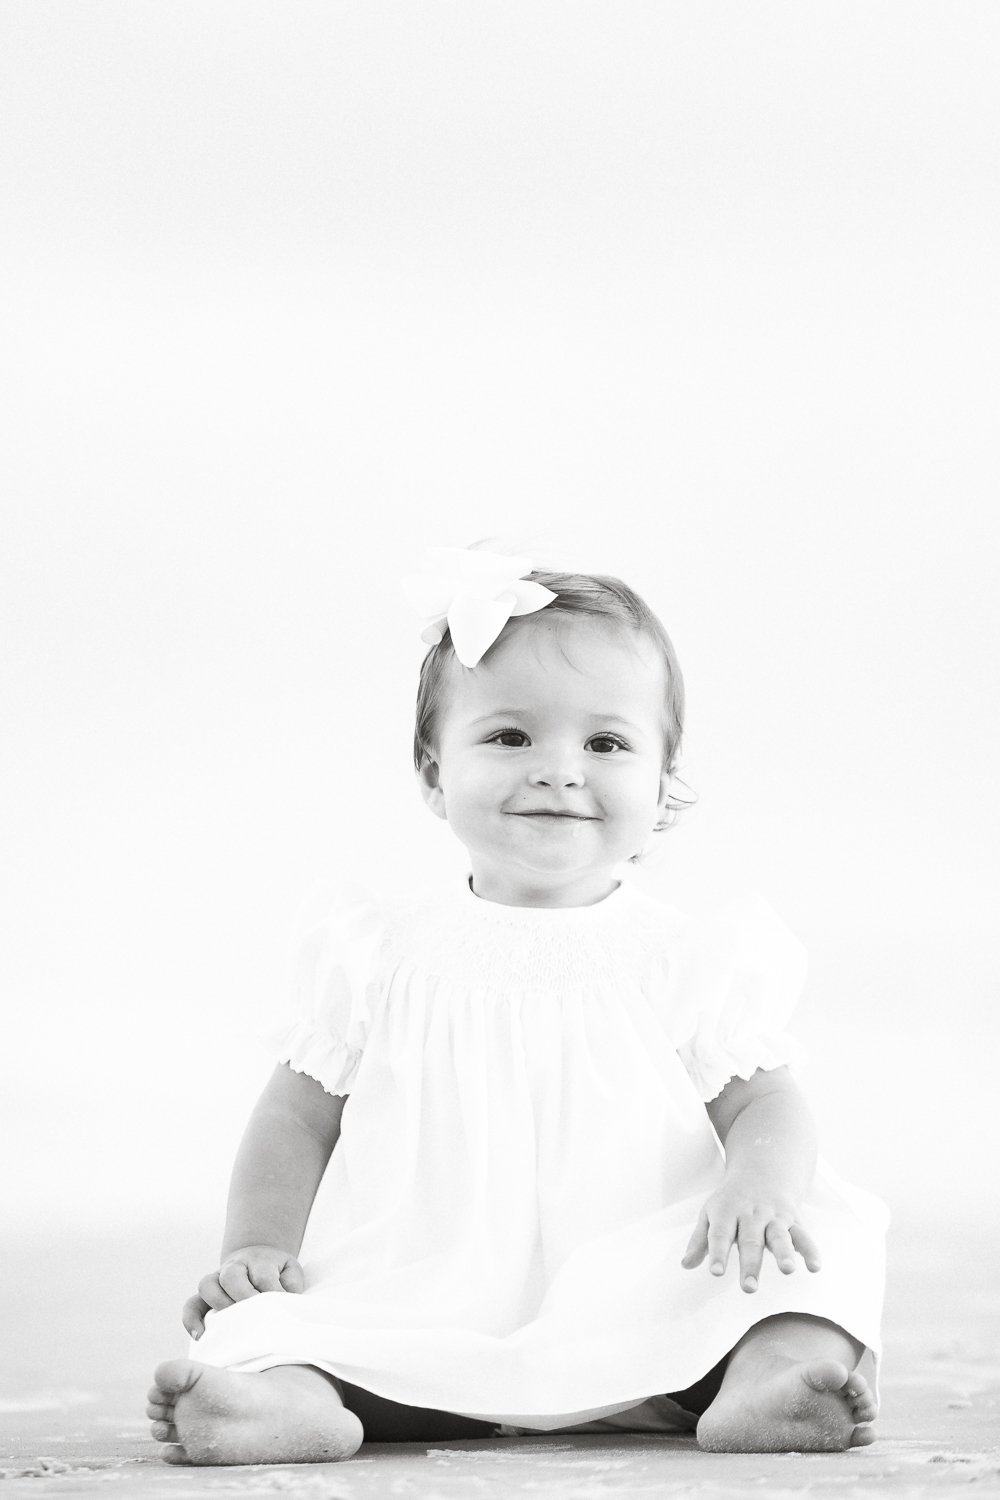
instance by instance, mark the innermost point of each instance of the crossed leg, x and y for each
(790, 1385)
(288, 1414)
(291, 1414)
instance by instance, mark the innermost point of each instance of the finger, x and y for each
(806, 1246)
(235, 1281)
(193, 1316)
(263, 1275)
(750, 1245)
(292, 1278)
(210, 1290)
(697, 1246)
(720, 1241)
(779, 1242)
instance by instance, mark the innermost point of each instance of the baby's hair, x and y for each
(590, 594)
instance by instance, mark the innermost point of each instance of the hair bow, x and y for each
(475, 593)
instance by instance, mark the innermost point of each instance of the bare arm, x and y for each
(769, 1136)
(284, 1152)
(767, 1129)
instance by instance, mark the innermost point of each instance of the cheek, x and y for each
(469, 786)
(638, 793)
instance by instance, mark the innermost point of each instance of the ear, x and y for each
(429, 777)
(663, 800)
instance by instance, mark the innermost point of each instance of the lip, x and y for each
(545, 812)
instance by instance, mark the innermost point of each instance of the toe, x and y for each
(861, 1398)
(862, 1436)
(827, 1375)
(175, 1453)
(160, 1410)
(173, 1377)
(164, 1432)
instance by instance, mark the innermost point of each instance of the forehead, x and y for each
(564, 660)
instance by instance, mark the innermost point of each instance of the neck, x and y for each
(507, 891)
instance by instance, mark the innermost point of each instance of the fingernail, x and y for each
(750, 1284)
(717, 1268)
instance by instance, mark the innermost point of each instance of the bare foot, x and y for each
(811, 1406)
(291, 1414)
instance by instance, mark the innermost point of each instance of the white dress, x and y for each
(524, 1154)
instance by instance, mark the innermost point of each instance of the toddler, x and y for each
(511, 1121)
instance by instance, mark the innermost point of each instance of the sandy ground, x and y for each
(85, 1321)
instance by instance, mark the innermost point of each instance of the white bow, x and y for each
(475, 593)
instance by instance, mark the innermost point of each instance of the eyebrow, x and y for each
(499, 713)
(522, 713)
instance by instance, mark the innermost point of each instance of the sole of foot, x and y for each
(290, 1414)
(817, 1406)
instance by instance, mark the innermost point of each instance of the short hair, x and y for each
(589, 594)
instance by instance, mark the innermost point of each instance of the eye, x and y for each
(606, 744)
(506, 736)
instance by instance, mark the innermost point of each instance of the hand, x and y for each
(745, 1213)
(245, 1273)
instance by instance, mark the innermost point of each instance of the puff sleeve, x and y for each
(338, 976)
(736, 977)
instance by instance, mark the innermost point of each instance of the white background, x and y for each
(705, 295)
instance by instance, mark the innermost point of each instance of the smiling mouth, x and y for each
(576, 817)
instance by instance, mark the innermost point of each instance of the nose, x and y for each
(557, 767)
